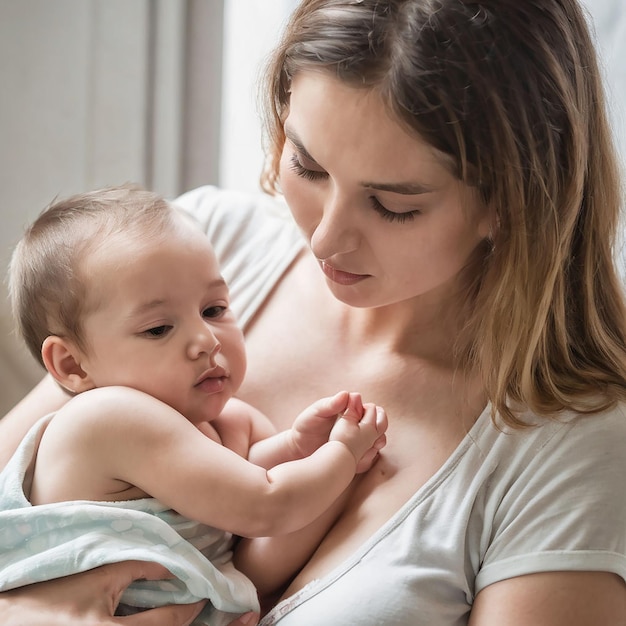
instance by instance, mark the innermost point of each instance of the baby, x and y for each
(120, 297)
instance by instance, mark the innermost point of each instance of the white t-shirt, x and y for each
(506, 503)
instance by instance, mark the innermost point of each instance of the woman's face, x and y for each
(383, 215)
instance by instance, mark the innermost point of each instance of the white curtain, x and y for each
(251, 29)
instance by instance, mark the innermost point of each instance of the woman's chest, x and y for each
(405, 469)
(291, 367)
(399, 551)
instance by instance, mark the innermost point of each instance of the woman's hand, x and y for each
(90, 599)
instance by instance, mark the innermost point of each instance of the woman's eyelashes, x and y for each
(299, 169)
(392, 216)
(314, 175)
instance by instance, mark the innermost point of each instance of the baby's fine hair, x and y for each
(509, 93)
(46, 285)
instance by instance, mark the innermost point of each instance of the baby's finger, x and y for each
(366, 461)
(356, 402)
(381, 419)
(370, 416)
(354, 409)
(333, 405)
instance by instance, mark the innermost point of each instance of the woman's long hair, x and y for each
(510, 90)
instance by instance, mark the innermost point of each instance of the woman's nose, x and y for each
(337, 230)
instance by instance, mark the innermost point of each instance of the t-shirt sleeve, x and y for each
(564, 507)
(254, 237)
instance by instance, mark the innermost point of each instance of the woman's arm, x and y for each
(90, 599)
(46, 397)
(553, 599)
(272, 562)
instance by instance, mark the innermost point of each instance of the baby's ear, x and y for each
(63, 360)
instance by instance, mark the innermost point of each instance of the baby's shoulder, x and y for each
(113, 413)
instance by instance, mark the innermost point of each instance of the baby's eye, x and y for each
(158, 331)
(213, 311)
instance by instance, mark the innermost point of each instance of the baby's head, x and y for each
(118, 287)
(50, 294)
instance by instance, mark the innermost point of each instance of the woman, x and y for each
(450, 167)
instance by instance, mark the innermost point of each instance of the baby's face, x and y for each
(160, 322)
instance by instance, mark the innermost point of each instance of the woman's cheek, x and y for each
(287, 177)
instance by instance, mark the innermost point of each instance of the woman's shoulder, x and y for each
(245, 229)
(254, 237)
(568, 429)
(213, 207)
(572, 448)
(599, 431)
(553, 500)
(531, 470)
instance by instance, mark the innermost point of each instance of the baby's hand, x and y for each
(362, 429)
(312, 427)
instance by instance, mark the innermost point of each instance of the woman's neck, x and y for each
(426, 326)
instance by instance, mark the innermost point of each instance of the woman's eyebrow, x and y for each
(295, 140)
(407, 189)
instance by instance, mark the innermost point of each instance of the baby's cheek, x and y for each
(238, 364)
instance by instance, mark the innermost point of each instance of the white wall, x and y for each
(69, 95)
(609, 24)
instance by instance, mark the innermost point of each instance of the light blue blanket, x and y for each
(43, 542)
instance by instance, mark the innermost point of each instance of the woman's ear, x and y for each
(63, 360)
(489, 226)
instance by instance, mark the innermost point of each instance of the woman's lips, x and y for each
(340, 277)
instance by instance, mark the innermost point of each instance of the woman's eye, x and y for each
(158, 331)
(299, 169)
(391, 216)
(213, 311)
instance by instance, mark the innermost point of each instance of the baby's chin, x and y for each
(212, 408)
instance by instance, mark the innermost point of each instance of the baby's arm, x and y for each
(247, 431)
(310, 430)
(270, 562)
(134, 440)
